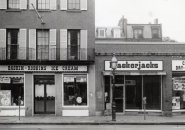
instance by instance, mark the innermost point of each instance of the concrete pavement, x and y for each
(96, 120)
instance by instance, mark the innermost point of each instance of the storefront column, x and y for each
(58, 98)
(167, 95)
(91, 87)
(29, 84)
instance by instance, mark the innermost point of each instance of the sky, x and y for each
(170, 13)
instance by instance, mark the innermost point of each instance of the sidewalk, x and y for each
(95, 120)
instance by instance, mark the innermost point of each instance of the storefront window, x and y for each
(136, 88)
(152, 92)
(178, 99)
(133, 92)
(75, 90)
(11, 88)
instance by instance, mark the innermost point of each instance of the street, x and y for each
(92, 127)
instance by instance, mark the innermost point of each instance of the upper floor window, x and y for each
(138, 33)
(73, 44)
(42, 44)
(43, 4)
(102, 33)
(73, 4)
(13, 4)
(12, 43)
(155, 32)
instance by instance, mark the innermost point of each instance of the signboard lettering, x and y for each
(136, 65)
(43, 68)
(178, 65)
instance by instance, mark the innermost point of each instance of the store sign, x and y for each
(4, 80)
(178, 65)
(44, 68)
(136, 65)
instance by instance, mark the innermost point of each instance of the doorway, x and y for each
(119, 93)
(44, 94)
(133, 92)
(119, 97)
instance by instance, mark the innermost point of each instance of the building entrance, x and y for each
(119, 93)
(44, 91)
(119, 98)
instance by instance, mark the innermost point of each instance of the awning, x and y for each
(134, 73)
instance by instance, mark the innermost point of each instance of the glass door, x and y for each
(133, 86)
(50, 98)
(119, 98)
(39, 98)
(44, 101)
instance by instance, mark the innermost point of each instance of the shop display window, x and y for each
(152, 91)
(75, 90)
(178, 99)
(133, 92)
(11, 88)
(136, 89)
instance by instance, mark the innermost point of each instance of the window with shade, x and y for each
(12, 43)
(73, 44)
(13, 4)
(43, 44)
(43, 4)
(73, 4)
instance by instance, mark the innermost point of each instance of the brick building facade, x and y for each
(144, 70)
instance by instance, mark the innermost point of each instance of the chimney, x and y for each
(156, 21)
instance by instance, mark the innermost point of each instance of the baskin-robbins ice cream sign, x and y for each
(136, 65)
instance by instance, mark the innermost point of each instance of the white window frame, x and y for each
(71, 106)
(39, 57)
(13, 3)
(74, 4)
(99, 32)
(43, 4)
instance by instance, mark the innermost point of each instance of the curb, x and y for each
(94, 123)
